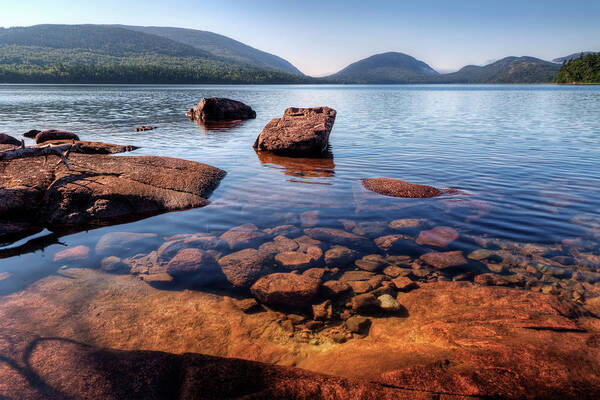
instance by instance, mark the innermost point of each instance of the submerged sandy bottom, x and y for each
(457, 337)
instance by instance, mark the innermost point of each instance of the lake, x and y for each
(524, 158)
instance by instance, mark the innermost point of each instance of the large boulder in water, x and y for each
(220, 109)
(300, 131)
(7, 139)
(398, 188)
(100, 189)
(53, 134)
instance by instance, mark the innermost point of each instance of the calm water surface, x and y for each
(526, 157)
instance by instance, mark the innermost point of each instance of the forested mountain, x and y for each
(221, 46)
(585, 69)
(130, 54)
(111, 54)
(389, 67)
(573, 56)
(506, 70)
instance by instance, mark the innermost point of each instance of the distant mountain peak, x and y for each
(389, 67)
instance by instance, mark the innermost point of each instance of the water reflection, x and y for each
(218, 126)
(301, 167)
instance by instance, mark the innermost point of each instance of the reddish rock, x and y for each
(280, 244)
(406, 223)
(305, 242)
(359, 287)
(398, 188)
(356, 276)
(371, 262)
(7, 139)
(440, 236)
(199, 241)
(315, 273)
(444, 260)
(193, 263)
(490, 280)
(365, 303)
(246, 305)
(323, 311)
(358, 324)
(243, 236)
(287, 230)
(404, 284)
(220, 109)
(61, 368)
(340, 256)
(244, 267)
(293, 259)
(395, 243)
(76, 253)
(335, 288)
(53, 134)
(395, 271)
(336, 236)
(299, 131)
(101, 189)
(286, 289)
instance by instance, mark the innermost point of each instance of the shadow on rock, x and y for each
(60, 368)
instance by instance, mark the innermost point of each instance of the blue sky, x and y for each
(320, 37)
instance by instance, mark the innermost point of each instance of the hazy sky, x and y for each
(324, 36)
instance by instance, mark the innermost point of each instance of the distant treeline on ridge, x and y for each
(136, 54)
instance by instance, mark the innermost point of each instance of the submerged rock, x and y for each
(76, 253)
(220, 109)
(340, 256)
(444, 260)
(398, 188)
(286, 289)
(358, 324)
(336, 236)
(242, 236)
(53, 134)
(244, 267)
(299, 131)
(406, 223)
(323, 311)
(293, 259)
(194, 263)
(335, 288)
(365, 303)
(440, 236)
(114, 242)
(113, 264)
(371, 262)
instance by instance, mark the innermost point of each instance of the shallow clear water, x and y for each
(527, 158)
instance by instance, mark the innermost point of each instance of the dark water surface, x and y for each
(527, 158)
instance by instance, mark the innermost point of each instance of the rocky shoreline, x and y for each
(386, 308)
(81, 185)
